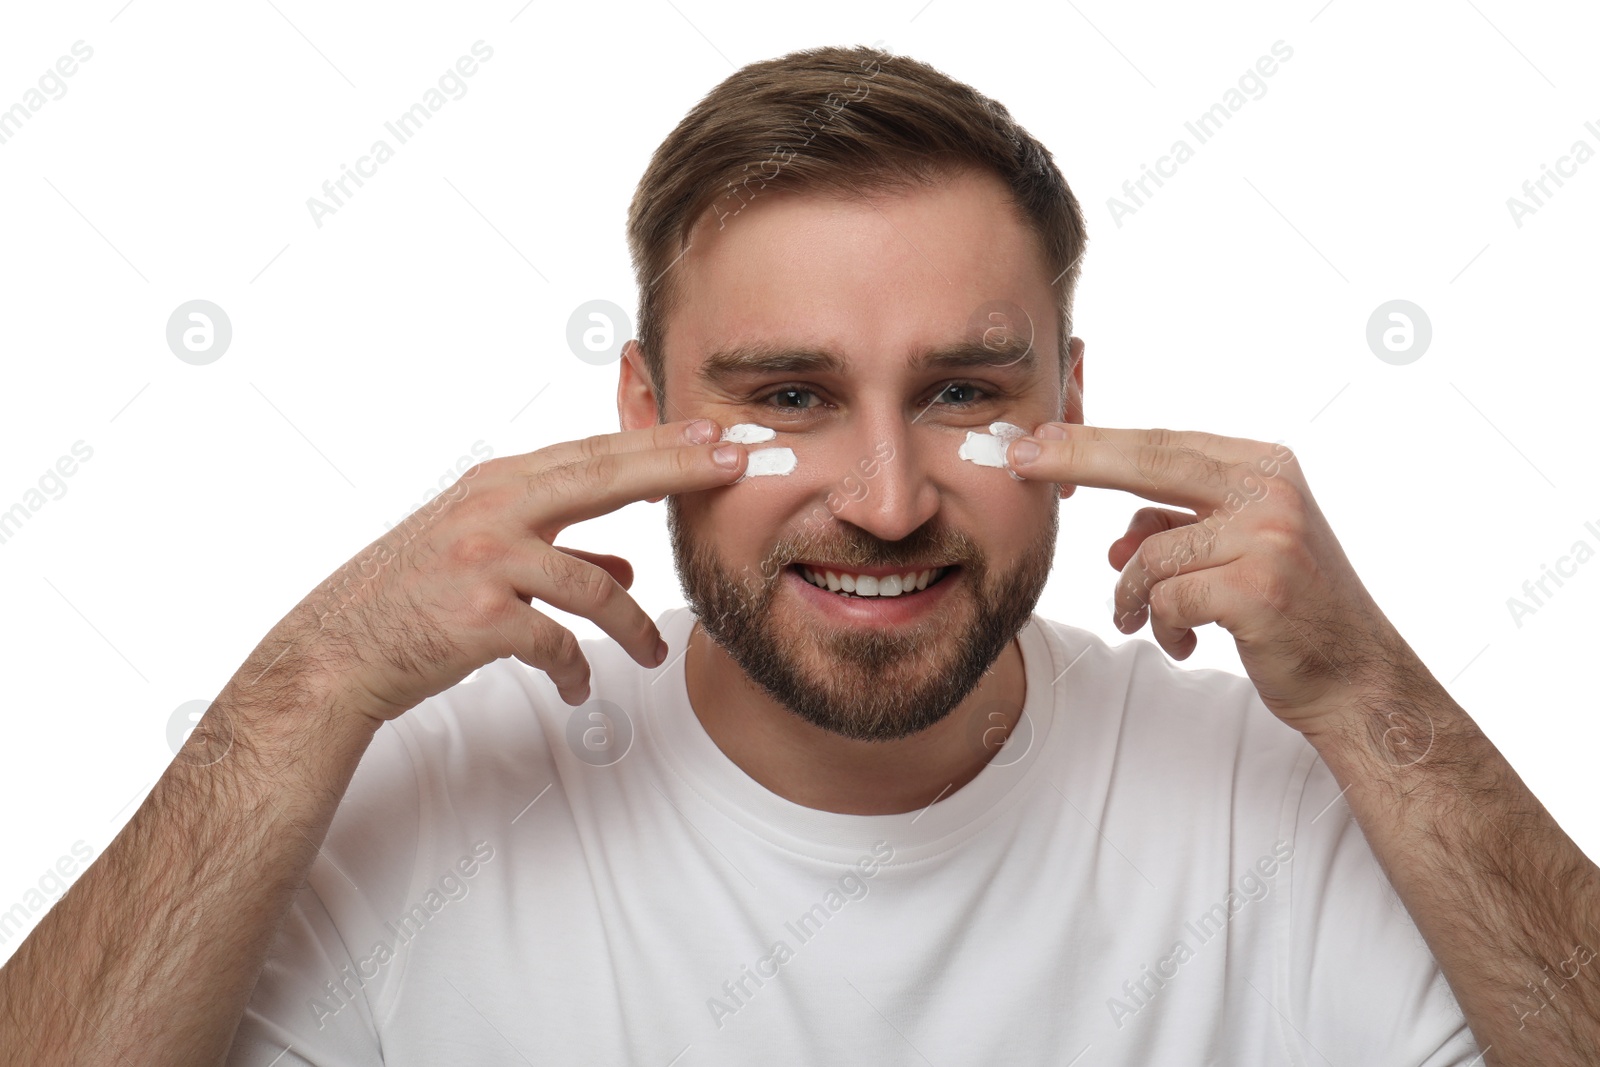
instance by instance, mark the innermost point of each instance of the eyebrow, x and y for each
(734, 361)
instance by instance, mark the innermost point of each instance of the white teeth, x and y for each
(869, 585)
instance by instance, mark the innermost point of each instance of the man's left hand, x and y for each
(1254, 554)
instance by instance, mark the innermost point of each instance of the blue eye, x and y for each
(959, 394)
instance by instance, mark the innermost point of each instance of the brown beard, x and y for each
(875, 686)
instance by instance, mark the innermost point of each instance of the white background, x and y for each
(430, 312)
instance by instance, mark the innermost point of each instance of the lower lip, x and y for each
(873, 611)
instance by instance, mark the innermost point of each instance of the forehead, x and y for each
(881, 275)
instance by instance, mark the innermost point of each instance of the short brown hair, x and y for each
(836, 120)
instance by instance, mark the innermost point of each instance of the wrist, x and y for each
(1390, 731)
(297, 718)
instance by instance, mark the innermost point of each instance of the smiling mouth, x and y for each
(851, 584)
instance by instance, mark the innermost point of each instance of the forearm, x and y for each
(154, 952)
(1508, 904)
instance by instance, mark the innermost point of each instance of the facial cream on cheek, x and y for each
(748, 433)
(763, 461)
(989, 449)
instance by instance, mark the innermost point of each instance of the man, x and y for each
(857, 804)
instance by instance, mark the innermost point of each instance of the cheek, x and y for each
(746, 519)
(1012, 517)
(1003, 514)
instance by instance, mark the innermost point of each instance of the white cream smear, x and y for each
(748, 433)
(989, 449)
(763, 461)
(770, 461)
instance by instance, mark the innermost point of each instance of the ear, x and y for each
(636, 395)
(1072, 396)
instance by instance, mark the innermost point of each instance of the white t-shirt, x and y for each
(1153, 870)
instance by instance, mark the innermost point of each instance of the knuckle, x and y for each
(1159, 462)
(1156, 558)
(543, 644)
(574, 475)
(1188, 599)
(567, 650)
(1203, 539)
(600, 471)
(577, 580)
(1073, 453)
(1284, 531)
(486, 601)
(558, 567)
(1276, 539)
(558, 482)
(1147, 554)
(1213, 472)
(1185, 549)
(598, 588)
(557, 651)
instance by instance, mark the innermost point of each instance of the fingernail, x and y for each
(1024, 452)
(661, 652)
(700, 431)
(726, 455)
(1052, 431)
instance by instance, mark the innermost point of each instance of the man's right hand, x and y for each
(452, 587)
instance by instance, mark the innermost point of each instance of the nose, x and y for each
(886, 489)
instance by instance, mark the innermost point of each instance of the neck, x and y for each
(818, 769)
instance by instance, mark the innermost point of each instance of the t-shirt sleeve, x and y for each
(322, 991)
(1364, 988)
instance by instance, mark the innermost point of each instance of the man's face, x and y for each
(816, 316)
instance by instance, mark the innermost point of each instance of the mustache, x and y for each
(929, 545)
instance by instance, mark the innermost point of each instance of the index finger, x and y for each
(661, 435)
(587, 488)
(1189, 469)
